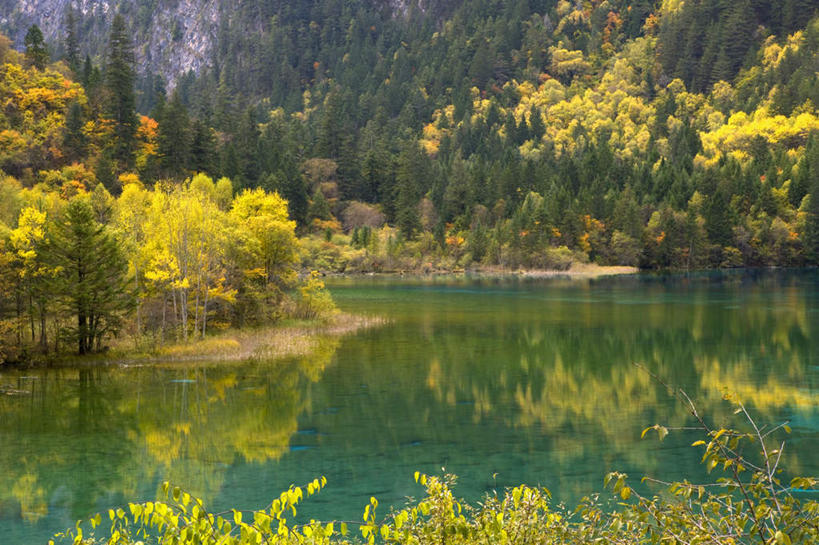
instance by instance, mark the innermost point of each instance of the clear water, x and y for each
(499, 381)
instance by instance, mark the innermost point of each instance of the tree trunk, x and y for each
(183, 304)
(164, 311)
(31, 317)
(205, 314)
(43, 338)
(138, 301)
(81, 331)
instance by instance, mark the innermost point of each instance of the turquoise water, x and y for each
(498, 381)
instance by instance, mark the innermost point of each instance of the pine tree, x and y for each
(91, 279)
(536, 127)
(74, 141)
(72, 46)
(811, 236)
(104, 172)
(87, 73)
(173, 138)
(120, 99)
(36, 53)
(411, 169)
(247, 150)
(203, 148)
(717, 223)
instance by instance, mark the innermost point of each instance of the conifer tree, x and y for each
(36, 53)
(74, 141)
(411, 169)
(173, 138)
(91, 279)
(203, 148)
(120, 100)
(72, 46)
(811, 236)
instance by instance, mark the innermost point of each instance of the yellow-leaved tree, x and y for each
(266, 252)
(269, 235)
(186, 239)
(130, 217)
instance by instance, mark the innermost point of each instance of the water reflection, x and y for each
(76, 440)
(502, 383)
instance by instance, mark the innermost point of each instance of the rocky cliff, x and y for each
(171, 37)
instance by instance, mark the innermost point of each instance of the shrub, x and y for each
(314, 300)
(748, 504)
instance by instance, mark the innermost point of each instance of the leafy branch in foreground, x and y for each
(747, 504)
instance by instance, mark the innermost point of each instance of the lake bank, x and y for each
(576, 271)
(291, 338)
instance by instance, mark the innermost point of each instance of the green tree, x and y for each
(72, 46)
(412, 169)
(36, 52)
(202, 148)
(120, 99)
(717, 222)
(90, 281)
(174, 138)
(74, 140)
(811, 236)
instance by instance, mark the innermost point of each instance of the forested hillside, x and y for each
(451, 134)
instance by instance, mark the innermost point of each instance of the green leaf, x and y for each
(782, 538)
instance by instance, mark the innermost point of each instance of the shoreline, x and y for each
(277, 341)
(579, 271)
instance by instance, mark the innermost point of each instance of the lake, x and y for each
(499, 381)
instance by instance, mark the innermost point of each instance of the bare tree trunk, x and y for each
(183, 304)
(43, 337)
(175, 310)
(138, 302)
(164, 310)
(20, 326)
(205, 314)
(196, 304)
(31, 316)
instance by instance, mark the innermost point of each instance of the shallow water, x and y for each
(498, 381)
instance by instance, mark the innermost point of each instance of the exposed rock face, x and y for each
(170, 37)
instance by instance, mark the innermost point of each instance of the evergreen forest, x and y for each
(376, 137)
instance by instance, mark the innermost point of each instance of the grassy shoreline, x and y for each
(290, 338)
(576, 271)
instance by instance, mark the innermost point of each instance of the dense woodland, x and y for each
(473, 134)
